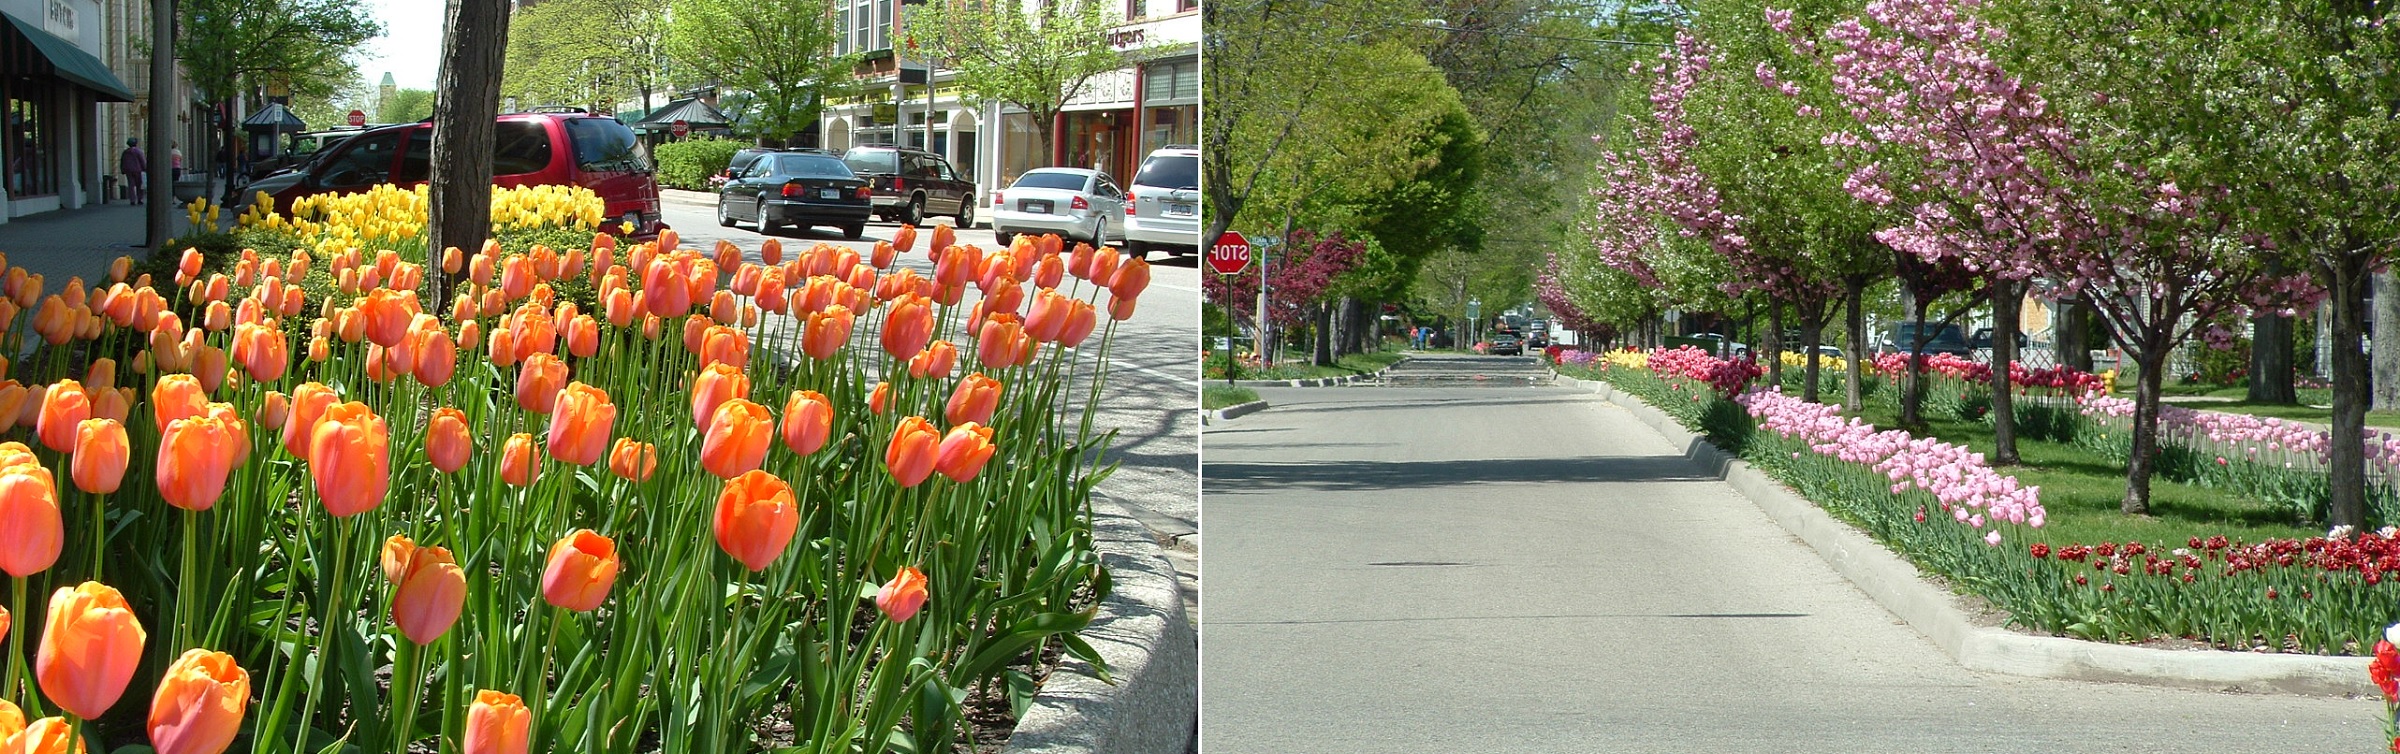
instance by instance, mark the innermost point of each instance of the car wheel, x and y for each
(1003, 238)
(724, 216)
(966, 215)
(1137, 249)
(854, 231)
(764, 225)
(915, 214)
(1099, 232)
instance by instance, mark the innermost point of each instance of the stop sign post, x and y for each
(358, 118)
(1228, 256)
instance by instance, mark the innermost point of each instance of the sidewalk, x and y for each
(70, 242)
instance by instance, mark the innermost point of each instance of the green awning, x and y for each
(67, 61)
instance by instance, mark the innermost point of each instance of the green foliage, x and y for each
(688, 164)
(1218, 395)
(1036, 60)
(769, 48)
(226, 46)
(405, 106)
(581, 52)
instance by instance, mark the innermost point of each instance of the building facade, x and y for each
(1116, 119)
(57, 89)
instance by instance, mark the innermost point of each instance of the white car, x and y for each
(1078, 204)
(1164, 211)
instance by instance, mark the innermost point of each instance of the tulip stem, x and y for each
(183, 588)
(541, 681)
(16, 649)
(99, 533)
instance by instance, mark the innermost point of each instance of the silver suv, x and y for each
(1162, 210)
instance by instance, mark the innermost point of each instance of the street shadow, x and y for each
(1366, 402)
(1355, 476)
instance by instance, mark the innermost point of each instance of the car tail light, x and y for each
(791, 190)
(996, 201)
(863, 192)
(1079, 203)
(899, 184)
(1129, 209)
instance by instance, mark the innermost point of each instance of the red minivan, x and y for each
(528, 149)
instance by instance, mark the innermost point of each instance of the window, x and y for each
(1047, 179)
(883, 161)
(813, 166)
(30, 172)
(367, 161)
(1186, 6)
(603, 145)
(1170, 171)
(520, 147)
(416, 164)
(1171, 83)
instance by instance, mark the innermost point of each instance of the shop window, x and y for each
(31, 170)
(1186, 6)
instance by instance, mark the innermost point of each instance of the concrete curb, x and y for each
(1324, 381)
(1152, 651)
(681, 196)
(1896, 584)
(1235, 411)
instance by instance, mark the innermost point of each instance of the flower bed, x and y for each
(615, 529)
(1937, 505)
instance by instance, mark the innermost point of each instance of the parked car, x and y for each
(741, 159)
(1076, 203)
(573, 148)
(909, 184)
(797, 189)
(1982, 339)
(1164, 210)
(1507, 343)
(1939, 338)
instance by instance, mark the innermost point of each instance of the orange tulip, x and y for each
(387, 314)
(937, 360)
(31, 532)
(63, 407)
(518, 466)
(30, 412)
(101, 452)
(90, 645)
(736, 438)
(427, 594)
(583, 565)
(1104, 266)
(757, 515)
(114, 405)
(1080, 322)
(199, 704)
(974, 400)
(716, 384)
(903, 596)
(448, 444)
(1119, 308)
(964, 452)
(1048, 316)
(632, 460)
(807, 421)
(261, 351)
(908, 326)
(880, 399)
(1131, 279)
(579, 424)
(665, 291)
(309, 402)
(828, 331)
(12, 403)
(1048, 272)
(538, 382)
(911, 454)
(943, 237)
(905, 239)
(997, 343)
(583, 336)
(497, 723)
(49, 735)
(724, 345)
(350, 457)
(397, 549)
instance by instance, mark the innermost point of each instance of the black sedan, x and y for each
(1507, 343)
(797, 189)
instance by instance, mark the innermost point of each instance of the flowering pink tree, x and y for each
(1299, 275)
(1990, 174)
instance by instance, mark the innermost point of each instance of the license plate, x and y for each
(1039, 208)
(1179, 208)
(831, 193)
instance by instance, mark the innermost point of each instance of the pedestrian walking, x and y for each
(175, 153)
(133, 163)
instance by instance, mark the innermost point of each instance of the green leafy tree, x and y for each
(578, 52)
(229, 48)
(405, 106)
(779, 51)
(332, 108)
(1034, 59)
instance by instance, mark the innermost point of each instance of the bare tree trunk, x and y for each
(2144, 460)
(1324, 339)
(1773, 350)
(2384, 348)
(2271, 360)
(2007, 305)
(1853, 370)
(2348, 470)
(157, 221)
(467, 104)
(1812, 334)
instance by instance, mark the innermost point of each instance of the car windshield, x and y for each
(1170, 171)
(873, 160)
(1907, 332)
(812, 166)
(1051, 180)
(603, 145)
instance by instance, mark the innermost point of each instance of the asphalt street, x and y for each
(1528, 569)
(1152, 396)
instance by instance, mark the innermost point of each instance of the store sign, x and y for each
(61, 19)
(1113, 87)
(1126, 39)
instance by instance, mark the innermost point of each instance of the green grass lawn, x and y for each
(1220, 395)
(2082, 492)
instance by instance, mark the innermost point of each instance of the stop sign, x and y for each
(682, 128)
(1230, 254)
(358, 117)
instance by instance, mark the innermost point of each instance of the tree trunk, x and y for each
(1324, 340)
(1854, 371)
(1812, 334)
(2348, 470)
(459, 205)
(2152, 360)
(2007, 305)
(1773, 347)
(2067, 344)
(2386, 348)
(1912, 402)
(157, 221)
(2271, 360)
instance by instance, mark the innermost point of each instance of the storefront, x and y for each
(1100, 127)
(51, 85)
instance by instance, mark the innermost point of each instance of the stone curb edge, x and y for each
(1234, 411)
(1899, 587)
(1324, 381)
(1152, 650)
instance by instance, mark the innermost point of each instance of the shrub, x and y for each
(688, 164)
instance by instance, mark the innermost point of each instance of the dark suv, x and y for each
(573, 148)
(909, 184)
